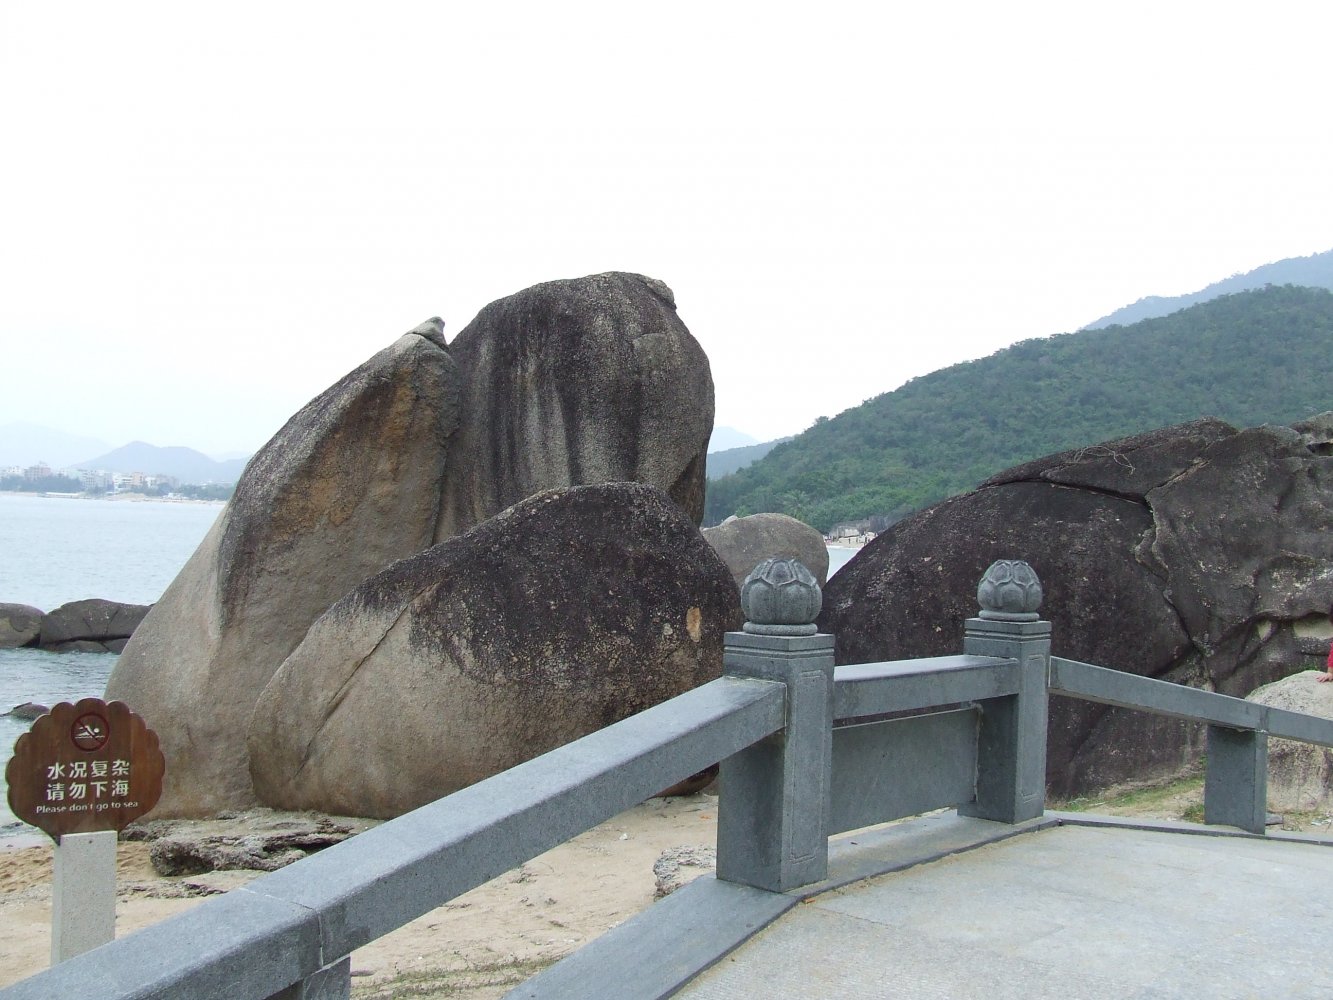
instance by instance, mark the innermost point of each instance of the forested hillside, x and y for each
(1255, 357)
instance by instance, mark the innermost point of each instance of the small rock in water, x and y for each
(20, 625)
(28, 710)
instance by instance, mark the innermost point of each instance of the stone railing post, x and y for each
(773, 814)
(1235, 785)
(1011, 749)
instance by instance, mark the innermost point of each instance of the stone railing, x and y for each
(1236, 779)
(808, 750)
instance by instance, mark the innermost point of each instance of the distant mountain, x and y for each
(726, 438)
(26, 444)
(1315, 271)
(1255, 357)
(185, 464)
(724, 463)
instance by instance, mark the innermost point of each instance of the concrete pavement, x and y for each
(1068, 912)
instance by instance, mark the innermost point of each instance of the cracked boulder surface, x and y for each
(570, 611)
(1199, 554)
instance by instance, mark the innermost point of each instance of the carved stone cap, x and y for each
(781, 597)
(1009, 591)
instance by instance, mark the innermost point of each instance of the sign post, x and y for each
(81, 774)
(83, 894)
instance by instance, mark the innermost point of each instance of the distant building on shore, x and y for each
(849, 535)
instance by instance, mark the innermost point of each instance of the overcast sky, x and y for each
(212, 212)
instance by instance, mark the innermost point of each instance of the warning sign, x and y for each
(85, 767)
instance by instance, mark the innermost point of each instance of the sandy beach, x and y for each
(478, 946)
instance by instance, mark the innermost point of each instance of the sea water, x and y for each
(839, 556)
(54, 550)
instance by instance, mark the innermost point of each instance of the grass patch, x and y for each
(1308, 821)
(441, 984)
(1177, 798)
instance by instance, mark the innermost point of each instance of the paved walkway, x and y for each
(1070, 912)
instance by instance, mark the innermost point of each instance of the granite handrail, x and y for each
(287, 935)
(1235, 788)
(869, 689)
(1115, 687)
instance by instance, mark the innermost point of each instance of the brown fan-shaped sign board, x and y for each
(85, 767)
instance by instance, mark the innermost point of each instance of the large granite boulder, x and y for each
(1196, 554)
(567, 612)
(585, 381)
(348, 486)
(1300, 775)
(20, 625)
(571, 382)
(745, 542)
(93, 625)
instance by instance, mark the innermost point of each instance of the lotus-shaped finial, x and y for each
(1009, 591)
(781, 597)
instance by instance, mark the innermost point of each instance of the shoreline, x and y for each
(114, 497)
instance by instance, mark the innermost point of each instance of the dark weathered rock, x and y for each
(1245, 537)
(252, 840)
(745, 542)
(696, 782)
(584, 381)
(20, 625)
(94, 621)
(27, 711)
(1128, 467)
(349, 485)
(567, 612)
(172, 856)
(1300, 775)
(678, 866)
(1317, 433)
(1195, 554)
